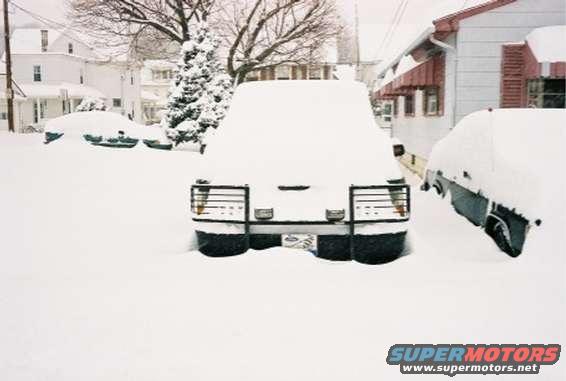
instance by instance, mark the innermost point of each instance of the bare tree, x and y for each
(255, 33)
(266, 33)
(138, 24)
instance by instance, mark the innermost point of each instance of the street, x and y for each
(97, 281)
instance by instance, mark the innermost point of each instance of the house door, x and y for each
(39, 110)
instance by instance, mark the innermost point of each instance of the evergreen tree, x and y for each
(91, 104)
(201, 91)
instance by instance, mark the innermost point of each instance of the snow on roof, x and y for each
(148, 96)
(54, 91)
(406, 64)
(346, 72)
(503, 151)
(409, 35)
(159, 64)
(389, 76)
(548, 44)
(28, 41)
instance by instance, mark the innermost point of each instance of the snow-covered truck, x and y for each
(503, 170)
(301, 164)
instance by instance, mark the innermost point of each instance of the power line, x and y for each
(42, 19)
(392, 26)
(401, 14)
(63, 28)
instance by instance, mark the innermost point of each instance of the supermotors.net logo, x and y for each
(453, 359)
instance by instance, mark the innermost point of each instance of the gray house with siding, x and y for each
(477, 58)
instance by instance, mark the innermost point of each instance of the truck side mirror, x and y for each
(398, 150)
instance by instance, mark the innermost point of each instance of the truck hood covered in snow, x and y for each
(300, 133)
(514, 157)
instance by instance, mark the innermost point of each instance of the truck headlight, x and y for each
(335, 214)
(263, 214)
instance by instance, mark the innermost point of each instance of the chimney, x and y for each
(44, 40)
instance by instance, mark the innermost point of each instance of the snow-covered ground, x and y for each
(97, 282)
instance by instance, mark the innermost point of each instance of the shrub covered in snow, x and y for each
(91, 104)
(201, 91)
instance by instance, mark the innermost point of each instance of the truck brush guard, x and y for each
(367, 205)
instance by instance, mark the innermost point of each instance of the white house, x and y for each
(498, 53)
(156, 77)
(55, 70)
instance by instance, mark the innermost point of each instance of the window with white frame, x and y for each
(409, 105)
(44, 40)
(546, 93)
(162, 74)
(37, 73)
(117, 102)
(283, 72)
(315, 72)
(430, 101)
(70, 48)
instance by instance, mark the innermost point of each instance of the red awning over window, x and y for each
(429, 73)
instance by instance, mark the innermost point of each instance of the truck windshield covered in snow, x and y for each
(302, 131)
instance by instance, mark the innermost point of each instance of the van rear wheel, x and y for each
(501, 234)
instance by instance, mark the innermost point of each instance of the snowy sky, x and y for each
(375, 17)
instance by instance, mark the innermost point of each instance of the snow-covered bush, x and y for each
(201, 91)
(91, 104)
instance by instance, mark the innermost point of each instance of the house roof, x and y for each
(451, 22)
(441, 19)
(55, 91)
(548, 43)
(148, 96)
(28, 41)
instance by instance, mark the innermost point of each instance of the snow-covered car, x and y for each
(301, 164)
(100, 126)
(503, 170)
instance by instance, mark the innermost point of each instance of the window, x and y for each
(410, 105)
(132, 79)
(70, 48)
(162, 74)
(44, 40)
(37, 73)
(395, 106)
(39, 113)
(430, 101)
(82, 77)
(116, 102)
(282, 72)
(3, 115)
(315, 72)
(252, 76)
(42, 109)
(546, 93)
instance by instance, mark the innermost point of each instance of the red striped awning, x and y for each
(428, 73)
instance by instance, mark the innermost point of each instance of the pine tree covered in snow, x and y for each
(201, 92)
(91, 104)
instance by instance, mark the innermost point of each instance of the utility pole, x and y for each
(9, 90)
(357, 32)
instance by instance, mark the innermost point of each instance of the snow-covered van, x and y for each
(301, 164)
(504, 171)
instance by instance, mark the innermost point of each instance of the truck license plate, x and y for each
(300, 241)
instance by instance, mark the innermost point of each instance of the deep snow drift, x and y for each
(97, 283)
